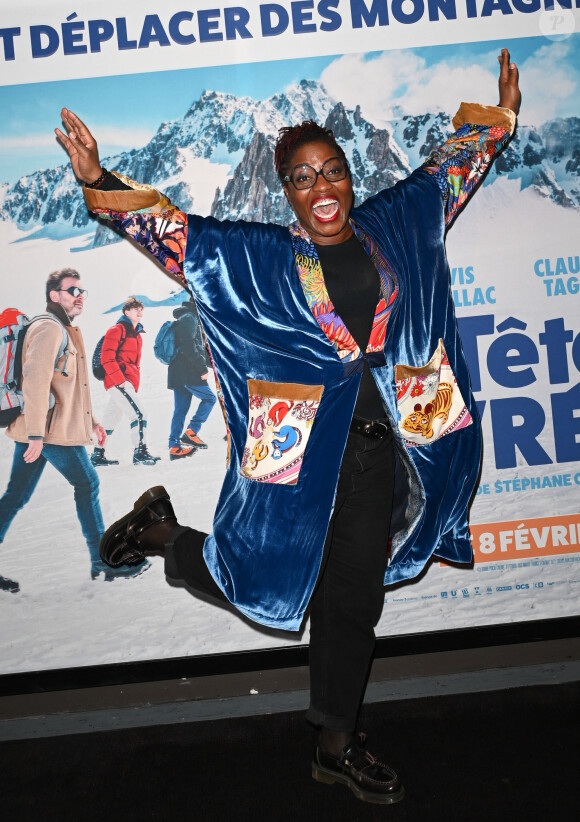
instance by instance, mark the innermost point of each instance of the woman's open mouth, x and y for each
(325, 209)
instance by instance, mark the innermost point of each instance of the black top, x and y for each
(353, 285)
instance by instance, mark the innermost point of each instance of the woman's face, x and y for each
(323, 209)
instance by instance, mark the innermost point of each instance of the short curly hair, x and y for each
(132, 302)
(290, 138)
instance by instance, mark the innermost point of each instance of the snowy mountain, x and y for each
(218, 159)
(254, 192)
(546, 159)
(419, 135)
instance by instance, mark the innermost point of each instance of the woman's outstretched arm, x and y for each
(482, 132)
(137, 210)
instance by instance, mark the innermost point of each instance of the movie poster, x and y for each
(186, 100)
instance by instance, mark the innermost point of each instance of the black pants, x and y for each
(348, 598)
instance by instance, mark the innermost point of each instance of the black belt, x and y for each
(374, 429)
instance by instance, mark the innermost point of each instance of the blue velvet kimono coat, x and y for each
(270, 352)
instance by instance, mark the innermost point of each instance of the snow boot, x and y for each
(177, 452)
(191, 438)
(98, 458)
(9, 585)
(141, 456)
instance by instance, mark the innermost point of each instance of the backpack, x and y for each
(97, 366)
(13, 327)
(165, 347)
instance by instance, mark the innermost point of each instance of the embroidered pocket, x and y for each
(429, 401)
(280, 417)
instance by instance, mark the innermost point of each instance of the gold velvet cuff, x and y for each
(139, 197)
(485, 116)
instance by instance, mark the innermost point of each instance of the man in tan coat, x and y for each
(57, 421)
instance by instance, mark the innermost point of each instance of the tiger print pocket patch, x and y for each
(429, 401)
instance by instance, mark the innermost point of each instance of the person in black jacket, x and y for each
(187, 377)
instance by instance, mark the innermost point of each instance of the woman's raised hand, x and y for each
(509, 90)
(81, 146)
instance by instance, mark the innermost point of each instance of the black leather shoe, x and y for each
(123, 542)
(367, 777)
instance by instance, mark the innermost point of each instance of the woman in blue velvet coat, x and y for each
(354, 437)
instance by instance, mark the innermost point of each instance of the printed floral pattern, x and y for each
(319, 302)
(459, 164)
(163, 234)
(278, 430)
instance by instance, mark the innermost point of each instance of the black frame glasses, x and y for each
(331, 175)
(75, 291)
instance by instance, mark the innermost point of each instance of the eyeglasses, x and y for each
(75, 291)
(304, 176)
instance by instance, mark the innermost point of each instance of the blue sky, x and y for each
(129, 108)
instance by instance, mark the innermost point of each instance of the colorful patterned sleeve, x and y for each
(148, 218)
(459, 164)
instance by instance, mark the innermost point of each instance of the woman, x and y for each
(321, 418)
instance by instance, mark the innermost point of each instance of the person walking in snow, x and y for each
(57, 432)
(187, 378)
(121, 359)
